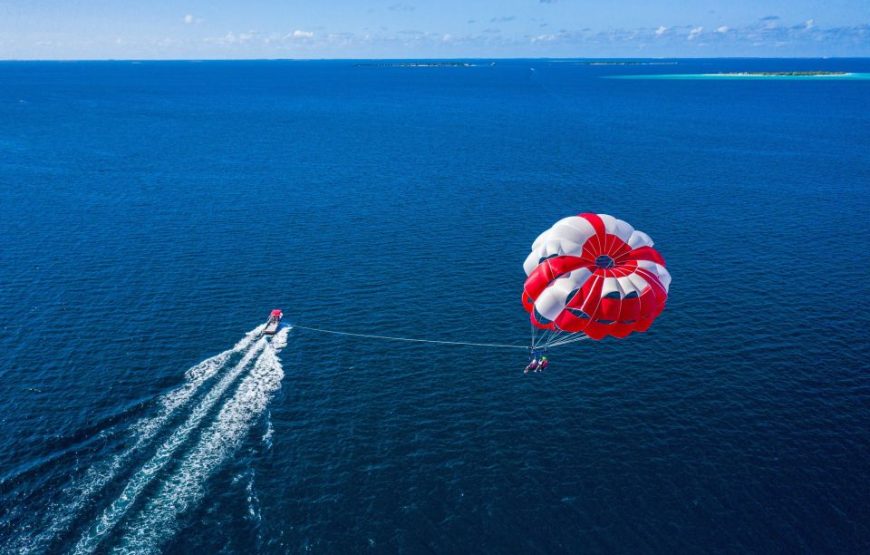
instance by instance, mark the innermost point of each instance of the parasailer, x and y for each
(592, 276)
(532, 366)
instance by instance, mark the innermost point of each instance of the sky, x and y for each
(219, 29)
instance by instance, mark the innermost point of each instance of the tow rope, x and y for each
(411, 339)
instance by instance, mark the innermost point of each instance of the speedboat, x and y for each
(273, 322)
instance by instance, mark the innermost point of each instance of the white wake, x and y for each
(79, 494)
(184, 489)
(196, 376)
(149, 471)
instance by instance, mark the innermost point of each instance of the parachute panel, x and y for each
(594, 274)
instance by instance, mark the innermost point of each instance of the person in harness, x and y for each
(532, 367)
(535, 362)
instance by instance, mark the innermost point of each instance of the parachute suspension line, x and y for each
(567, 340)
(556, 336)
(550, 335)
(548, 339)
(542, 340)
(409, 339)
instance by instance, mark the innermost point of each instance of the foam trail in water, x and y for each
(97, 477)
(156, 523)
(279, 341)
(196, 376)
(119, 507)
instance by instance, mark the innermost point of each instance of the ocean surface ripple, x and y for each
(152, 212)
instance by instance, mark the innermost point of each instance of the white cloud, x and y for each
(809, 23)
(770, 21)
(401, 7)
(661, 40)
(232, 38)
(229, 38)
(188, 18)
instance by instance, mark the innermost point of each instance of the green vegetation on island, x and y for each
(783, 73)
(621, 63)
(418, 64)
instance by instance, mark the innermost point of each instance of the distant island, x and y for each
(782, 73)
(615, 62)
(627, 63)
(753, 75)
(419, 64)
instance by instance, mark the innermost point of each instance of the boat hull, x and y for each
(271, 327)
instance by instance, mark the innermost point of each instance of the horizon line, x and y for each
(349, 59)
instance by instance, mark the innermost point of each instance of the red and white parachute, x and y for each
(592, 276)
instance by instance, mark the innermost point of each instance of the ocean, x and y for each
(153, 213)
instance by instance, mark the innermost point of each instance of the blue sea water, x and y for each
(152, 213)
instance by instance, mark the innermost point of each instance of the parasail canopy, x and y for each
(593, 275)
